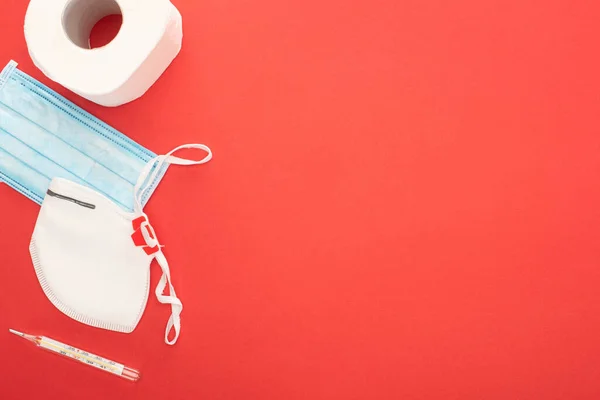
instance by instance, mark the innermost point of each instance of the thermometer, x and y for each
(81, 355)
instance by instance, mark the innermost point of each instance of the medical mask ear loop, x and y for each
(152, 169)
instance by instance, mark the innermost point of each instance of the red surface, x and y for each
(404, 204)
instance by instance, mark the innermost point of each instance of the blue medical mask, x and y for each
(45, 136)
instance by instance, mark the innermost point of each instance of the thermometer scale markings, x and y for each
(88, 358)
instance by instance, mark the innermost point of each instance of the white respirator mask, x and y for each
(93, 258)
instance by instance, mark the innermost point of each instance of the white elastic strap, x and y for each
(148, 175)
(171, 298)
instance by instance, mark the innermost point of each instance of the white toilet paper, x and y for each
(58, 31)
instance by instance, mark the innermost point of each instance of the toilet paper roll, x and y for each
(57, 34)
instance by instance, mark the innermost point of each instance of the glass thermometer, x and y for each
(81, 355)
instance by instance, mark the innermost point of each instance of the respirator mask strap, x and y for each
(153, 247)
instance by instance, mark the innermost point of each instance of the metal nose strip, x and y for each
(72, 200)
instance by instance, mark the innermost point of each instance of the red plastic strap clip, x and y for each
(138, 238)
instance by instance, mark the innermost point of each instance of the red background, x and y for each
(404, 204)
